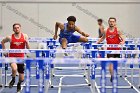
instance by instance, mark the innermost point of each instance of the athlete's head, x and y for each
(100, 21)
(112, 22)
(71, 22)
(16, 28)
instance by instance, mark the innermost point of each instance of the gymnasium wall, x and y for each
(38, 19)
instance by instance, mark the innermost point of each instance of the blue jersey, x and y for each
(66, 33)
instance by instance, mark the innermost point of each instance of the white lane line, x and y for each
(60, 85)
(131, 85)
(98, 90)
(4, 86)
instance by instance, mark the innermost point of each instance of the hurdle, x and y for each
(103, 52)
(1, 68)
(47, 62)
(52, 44)
(32, 50)
(103, 73)
(128, 52)
(71, 51)
(37, 51)
(139, 66)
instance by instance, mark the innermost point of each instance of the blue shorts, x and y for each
(70, 39)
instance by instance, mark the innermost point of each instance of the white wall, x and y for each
(46, 14)
(69, 0)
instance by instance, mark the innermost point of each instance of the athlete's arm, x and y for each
(26, 41)
(102, 38)
(6, 39)
(102, 30)
(121, 37)
(81, 32)
(57, 25)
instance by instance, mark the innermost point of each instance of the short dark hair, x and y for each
(16, 24)
(112, 18)
(100, 20)
(71, 18)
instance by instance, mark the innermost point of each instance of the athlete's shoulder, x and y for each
(25, 35)
(118, 29)
(105, 30)
(60, 25)
(102, 27)
(76, 28)
(7, 38)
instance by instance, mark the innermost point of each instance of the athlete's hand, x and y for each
(55, 37)
(87, 35)
(121, 43)
(5, 54)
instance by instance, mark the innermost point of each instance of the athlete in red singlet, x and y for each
(17, 40)
(113, 36)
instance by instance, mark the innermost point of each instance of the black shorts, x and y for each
(113, 55)
(20, 68)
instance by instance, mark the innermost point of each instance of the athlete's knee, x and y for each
(64, 39)
(21, 77)
(14, 67)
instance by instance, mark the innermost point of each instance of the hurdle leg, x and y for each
(6, 80)
(84, 68)
(46, 86)
(125, 70)
(0, 75)
(41, 76)
(53, 65)
(93, 86)
(139, 76)
(121, 65)
(92, 77)
(53, 70)
(126, 56)
(103, 76)
(132, 72)
(88, 75)
(86, 71)
(115, 79)
(27, 76)
(51, 76)
(47, 78)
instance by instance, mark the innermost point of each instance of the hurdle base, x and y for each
(89, 84)
(1, 85)
(22, 85)
(125, 76)
(132, 87)
(53, 75)
(119, 87)
(52, 86)
(84, 75)
(76, 85)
